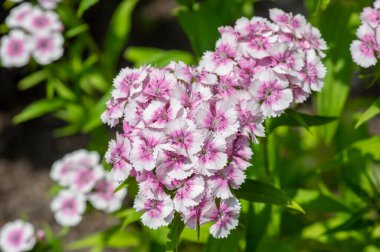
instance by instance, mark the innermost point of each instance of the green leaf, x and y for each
(371, 112)
(201, 20)
(368, 147)
(85, 5)
(256, 226)
(118, 30)
(111, 238)
(315, 201)
(93, 118)
(257, 191)
(175, 229)
(76, 30)
(298, 119)
(37, 109)
(154, 56)
(32, 80)
(62, 90)
(130, 216)
(230, 244)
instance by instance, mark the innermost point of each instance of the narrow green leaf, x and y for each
(298, 119)
(37, 109)
(371, 112)
(230, 244)
(76, 30)
(175, 229)
(257, 191)
(157, 57)
(257, 224)
(118, 30)
(368, 147)
(32, 80)
(85, 5)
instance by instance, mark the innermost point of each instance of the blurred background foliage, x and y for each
(318, 168)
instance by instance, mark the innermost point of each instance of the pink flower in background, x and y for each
(104, 197)
(47, 47)
(68, 207)
(366, 49)
(48, 4)
(17, 236)
(42, 21)
(18, 15)
(190, 128)
(33, 31)
(15, 49)
(157, 213)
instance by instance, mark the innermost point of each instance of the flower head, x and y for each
(68, 207)
(15, 49)
(17, 236)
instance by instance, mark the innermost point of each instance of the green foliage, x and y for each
(37, 109)
(84, 5)
(371, 112)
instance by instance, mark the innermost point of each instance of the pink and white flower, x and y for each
(312, 73)
(221, 182)
(159, 113)
(68, 207)
(157, 213)
(17, 236)
(272, 93)
(15, 49)
(48, 4)
(18, 15)
(190, 194)
(118, 155)
(42, 21)
(221, 61)
(104, 197)
(219, 117)
(226, 217)
(128, 82)
(364, 51)
(212, 156)
(47, 47)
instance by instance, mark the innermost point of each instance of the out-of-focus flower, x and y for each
(68, 207)
(104, 197)
(48, 47)
(15, 49)
(48, 4)
(17, 236)
(33, 31)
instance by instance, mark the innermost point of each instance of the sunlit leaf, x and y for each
(37, 109)
(175, 229)
(368, 147)
(32, 80)
(118, 31)
(85, 5)
(371, 112)
(257, 191)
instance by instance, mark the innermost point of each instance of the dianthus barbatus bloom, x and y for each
(17, 236)
(366, 49)
(68, 207)
(33, 32)
(83, 178)
(184, 132)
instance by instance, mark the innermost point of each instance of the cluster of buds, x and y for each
(83, 179)
(34, 32)
(366, 49)
(17, 236)
(185, 131)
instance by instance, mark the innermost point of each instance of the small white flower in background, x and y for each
(68, 207)
(15, 49)
(47, 47)
(48, 4)
(104, 197)
(33, 31)
(17, 236)
(84, 179)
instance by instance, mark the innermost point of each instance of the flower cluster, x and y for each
(84, 179)
(186, 131)
(366, 49)
(34, 32)
(17, 236)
